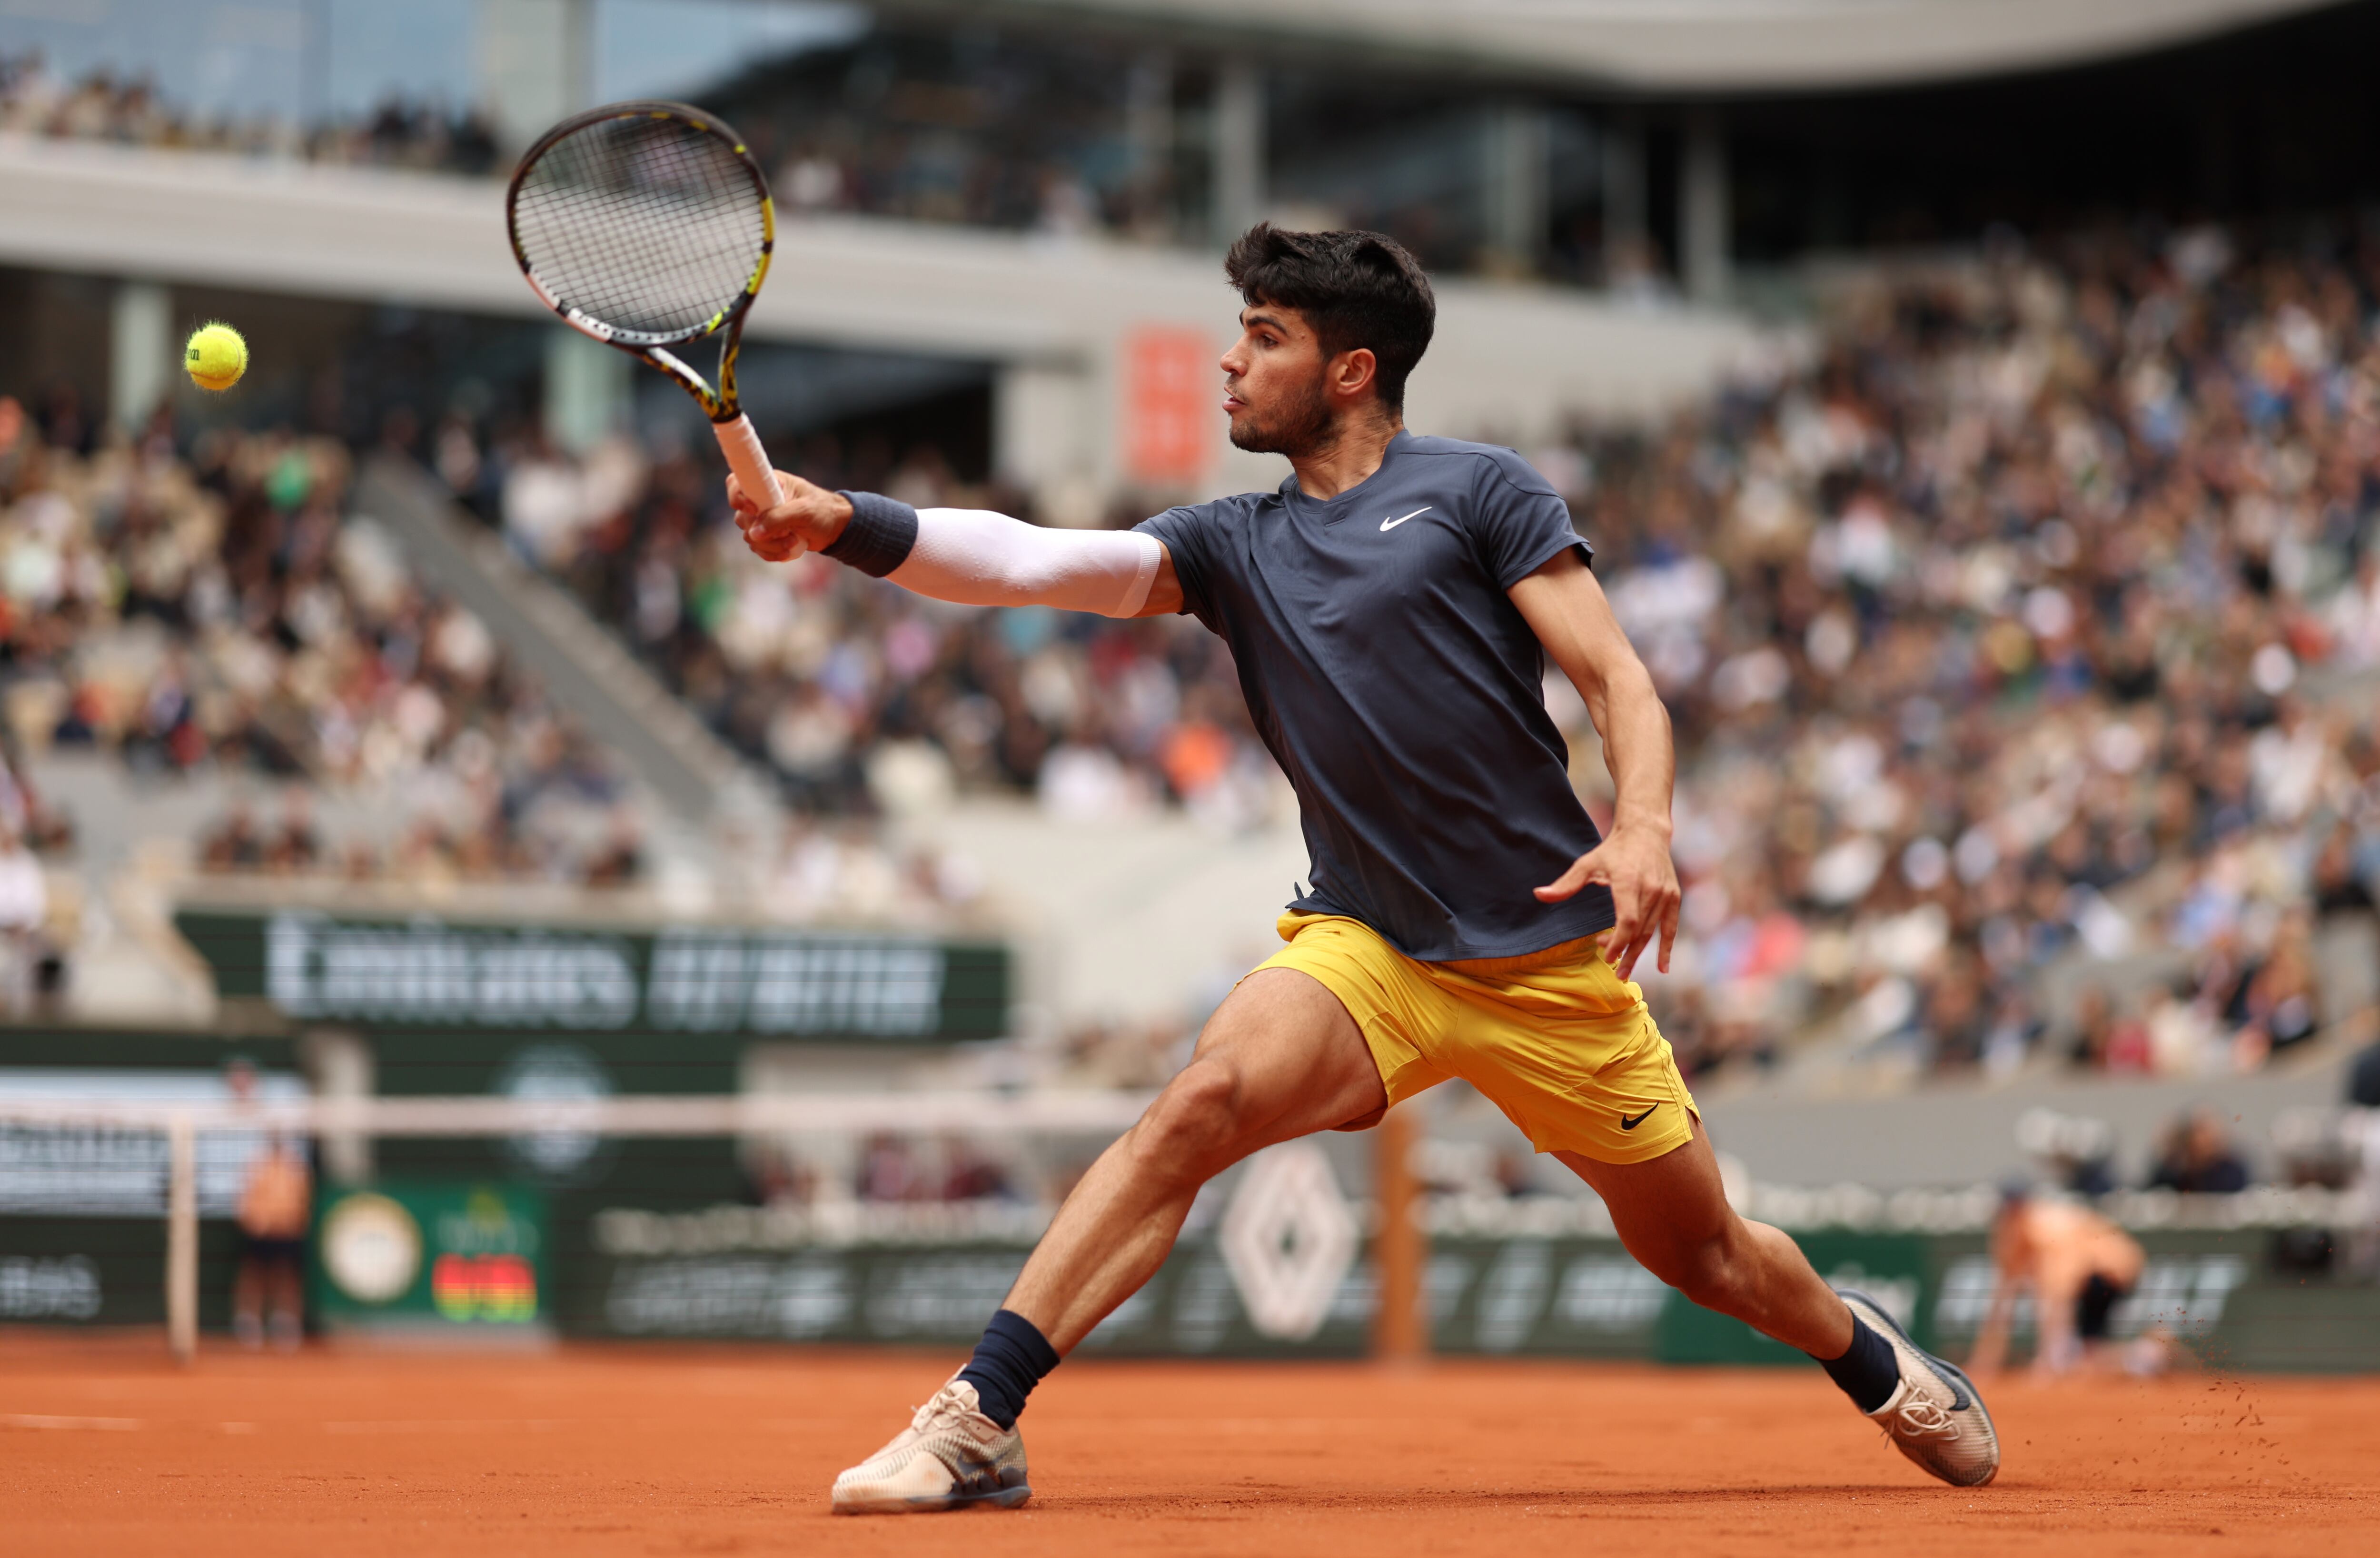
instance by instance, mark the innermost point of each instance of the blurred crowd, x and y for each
(1005, 149)
(1061, 136)
(224, 612)
(2022, 637)
(127, 111)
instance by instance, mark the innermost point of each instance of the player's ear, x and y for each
(1353, 373)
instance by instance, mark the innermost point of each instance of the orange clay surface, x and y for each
(105, 1448)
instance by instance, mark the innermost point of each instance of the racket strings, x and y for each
(656, 248)
(648, 225)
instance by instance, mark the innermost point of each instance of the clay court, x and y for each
(637, 1450)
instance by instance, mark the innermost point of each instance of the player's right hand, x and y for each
(810, 519)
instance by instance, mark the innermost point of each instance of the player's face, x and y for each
(1273, 383)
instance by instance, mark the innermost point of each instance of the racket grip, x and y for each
(751, 464)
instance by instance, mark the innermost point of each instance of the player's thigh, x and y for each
(1670, 1212)
(1286, 1055)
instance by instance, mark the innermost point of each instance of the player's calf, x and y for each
(1672, 1215)
(1928, 1408)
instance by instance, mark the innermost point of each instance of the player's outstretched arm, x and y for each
(971, 556)
(1566, 608)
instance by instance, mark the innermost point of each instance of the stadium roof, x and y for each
(1722, 46)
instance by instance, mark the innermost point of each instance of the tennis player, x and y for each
(2080, 1266)
(1389, 609)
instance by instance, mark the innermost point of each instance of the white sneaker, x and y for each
(951, 1456)
(1934, 1416)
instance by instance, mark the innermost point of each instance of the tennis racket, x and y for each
(647, 225)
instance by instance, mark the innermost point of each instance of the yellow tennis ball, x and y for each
(216, 356)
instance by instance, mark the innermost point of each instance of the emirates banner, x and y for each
(425, 972)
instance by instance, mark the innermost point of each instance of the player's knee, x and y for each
(1193, 1122)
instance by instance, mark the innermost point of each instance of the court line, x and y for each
(43, 1420)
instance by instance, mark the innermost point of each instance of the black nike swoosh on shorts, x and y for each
(1629, 1123)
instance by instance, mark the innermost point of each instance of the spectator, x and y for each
(2197, 1158)
(2275, 1003)
(297, 848)
(2363, 1079)
(24, 915)
(889, 1171)
(2338, 887)
(2107, 1039)
(236, 846)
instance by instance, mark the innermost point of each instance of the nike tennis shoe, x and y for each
(1934, 1416)
(951, 1456)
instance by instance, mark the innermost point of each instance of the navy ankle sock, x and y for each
(1008, 1362)
(1868, 1371)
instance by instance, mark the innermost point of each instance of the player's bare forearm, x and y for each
(1637, 746)
(1566, 608)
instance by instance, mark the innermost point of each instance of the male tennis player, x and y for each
(1389, 608)
(2080, 1266)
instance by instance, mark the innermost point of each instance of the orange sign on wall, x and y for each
(1173, 401)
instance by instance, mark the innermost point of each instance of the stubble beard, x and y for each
(1298, 428)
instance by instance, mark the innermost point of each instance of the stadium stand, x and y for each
(227, 611)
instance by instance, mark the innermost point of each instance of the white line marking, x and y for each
(39, 1420)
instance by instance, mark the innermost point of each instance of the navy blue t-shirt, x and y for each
(1402, 692)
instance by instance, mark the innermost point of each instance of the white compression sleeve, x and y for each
(974, 558)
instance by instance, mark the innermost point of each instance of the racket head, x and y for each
(644, 223)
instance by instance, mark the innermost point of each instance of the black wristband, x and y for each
(879, 536)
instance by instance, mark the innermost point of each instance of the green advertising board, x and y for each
(423, 971)
(423, 1259)
(2220, 1294)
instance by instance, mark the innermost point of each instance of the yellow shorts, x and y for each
(1557, 1039)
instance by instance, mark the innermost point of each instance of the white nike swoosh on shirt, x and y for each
(1393, 524)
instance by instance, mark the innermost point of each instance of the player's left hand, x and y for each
(1635, 863)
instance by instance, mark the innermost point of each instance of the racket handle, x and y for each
(751, 464)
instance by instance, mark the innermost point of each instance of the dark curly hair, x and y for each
(1355, 288)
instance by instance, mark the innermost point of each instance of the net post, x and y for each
(182, 1238)
(1400, 1325)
